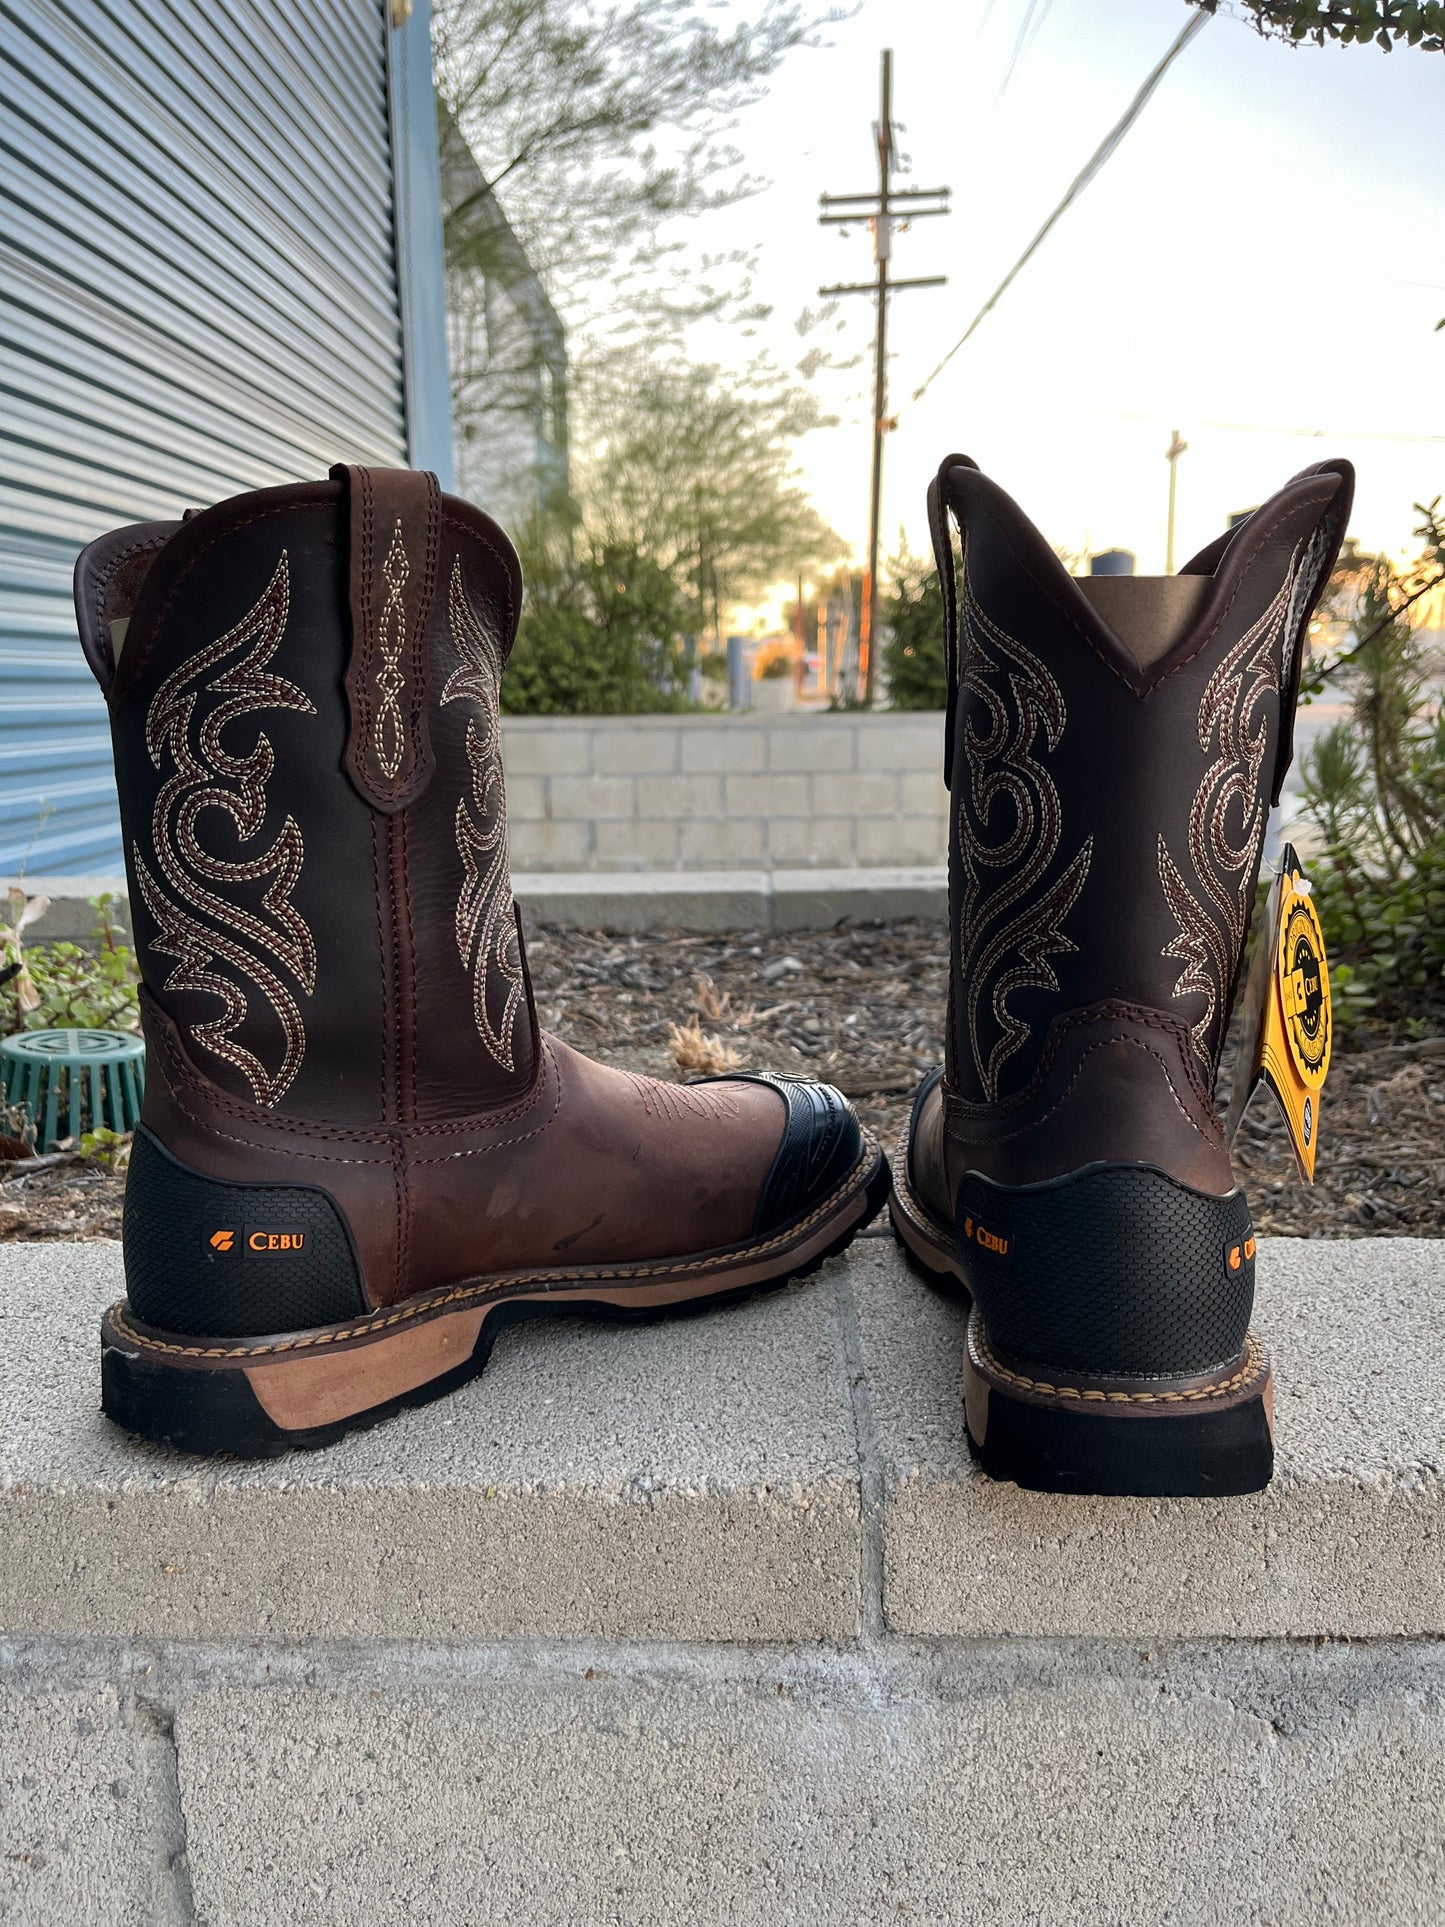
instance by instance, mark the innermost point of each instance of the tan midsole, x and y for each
(335, 1374)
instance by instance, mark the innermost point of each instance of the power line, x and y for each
(1101, 154)
(1025, 40)
(885, 208)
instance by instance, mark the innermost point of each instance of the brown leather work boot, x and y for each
(1113, 745)
(359, 1157)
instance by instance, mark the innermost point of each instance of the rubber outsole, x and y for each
(1210, 1437)
(203, 1398)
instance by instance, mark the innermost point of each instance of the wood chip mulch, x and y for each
(862, 1006)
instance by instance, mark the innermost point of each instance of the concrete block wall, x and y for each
(716, 1622)
(725, 792)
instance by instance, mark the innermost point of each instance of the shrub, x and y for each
(913, 647)
(606, 634)
(60, 986)
(1375, 794)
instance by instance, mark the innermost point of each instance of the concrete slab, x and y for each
(1350, 1538)
(647, 900)
(985, 1791)
(796, 899)
(87, 1805)
(690, 1480)
(813, 898)
(818, 899)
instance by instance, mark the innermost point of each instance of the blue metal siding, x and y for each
(198, 295)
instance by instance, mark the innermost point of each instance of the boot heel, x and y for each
(1109, 1348)
(206, 1255)
(1211, 1433)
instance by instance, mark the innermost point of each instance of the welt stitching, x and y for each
(220, 535)
(485, 1150)
(156, 542)
(1256, 1366)
(381, 957)
(475, 535)
(401, 1179)
(1121, 1037)
(428, 590)
(582, 1275)
(183, 1079)
(407, 1094)
(1120, 1010)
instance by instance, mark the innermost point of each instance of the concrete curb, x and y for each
(631, 901)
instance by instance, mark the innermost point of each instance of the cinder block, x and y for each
(910, 840)
(689, 1480)
(722, 747)
(535, 746)
(635, 844)
(723, 840)
(581, 796)
(766, 795)
(885, 742)
(618, 751)
(83, 1821)
(921, 792)
(812, 744)
(678, 796)
(549, 845)
(526, 798)
(1345, 1541)
(810, 839)
(860, 796)
(998, 1788)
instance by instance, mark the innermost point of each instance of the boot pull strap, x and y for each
(394, 523)
(940, 506)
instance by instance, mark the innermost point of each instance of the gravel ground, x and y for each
(863, 1007)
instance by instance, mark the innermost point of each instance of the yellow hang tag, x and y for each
(1287, 1021)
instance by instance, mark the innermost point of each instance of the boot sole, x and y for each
(258, 1398)
(1159, 1438)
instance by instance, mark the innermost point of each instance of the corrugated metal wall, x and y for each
(198, 295)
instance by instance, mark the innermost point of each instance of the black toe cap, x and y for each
(822, 1142)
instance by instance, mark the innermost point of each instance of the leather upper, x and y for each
(1107, 822)
(305, 712)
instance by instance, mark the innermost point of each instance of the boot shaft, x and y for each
(1110, 790)
(303, 687)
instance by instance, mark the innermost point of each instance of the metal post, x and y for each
(911, 204)
(1171, 455)
(882, 248)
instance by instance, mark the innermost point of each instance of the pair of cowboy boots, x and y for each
(360, 1157)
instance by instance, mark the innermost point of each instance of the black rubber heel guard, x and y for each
(214, 1258)
(1115, 1271)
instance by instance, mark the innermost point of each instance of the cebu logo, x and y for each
(222, 1241)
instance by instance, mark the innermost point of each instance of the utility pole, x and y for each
(881, 209)
(1175, 449)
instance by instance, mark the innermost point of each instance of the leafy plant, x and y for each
(60, 986)
(109, 1149)
(913, 648)
(601, 635)
(1375, 795)
(1419, 24)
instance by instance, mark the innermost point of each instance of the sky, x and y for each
(1261, 265)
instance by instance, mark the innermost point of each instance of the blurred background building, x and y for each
(220, 269)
